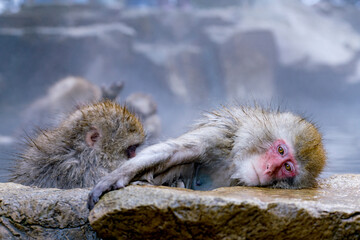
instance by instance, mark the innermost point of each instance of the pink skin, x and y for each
(273, 163)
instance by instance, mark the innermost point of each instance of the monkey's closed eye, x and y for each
(281, 150)
(131, 151)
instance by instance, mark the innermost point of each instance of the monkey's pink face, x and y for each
(277, 163)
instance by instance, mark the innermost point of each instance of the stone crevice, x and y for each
(24, 224)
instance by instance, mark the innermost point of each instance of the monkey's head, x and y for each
(104, 132)
(278, 150)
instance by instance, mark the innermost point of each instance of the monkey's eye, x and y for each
(281, 150)
(287, 167)
(131, 151)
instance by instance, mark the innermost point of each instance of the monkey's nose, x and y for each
(272, 167)
(268, 169)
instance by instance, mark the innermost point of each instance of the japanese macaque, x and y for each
(229, 147)
(90, 143)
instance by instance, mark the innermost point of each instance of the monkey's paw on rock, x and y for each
(331, 211)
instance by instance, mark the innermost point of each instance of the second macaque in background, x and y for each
(68, 93)
(63, 97)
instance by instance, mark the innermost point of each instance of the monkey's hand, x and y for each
(157, 159)
(113, 181)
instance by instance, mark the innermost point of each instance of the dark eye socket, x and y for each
(281, 150)
(131, 151)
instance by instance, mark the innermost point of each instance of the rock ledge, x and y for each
(331, 211)
(40, 213)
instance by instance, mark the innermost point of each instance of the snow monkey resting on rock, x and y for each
(229, 147)
(90, 143)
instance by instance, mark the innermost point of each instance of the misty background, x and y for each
(190, 56)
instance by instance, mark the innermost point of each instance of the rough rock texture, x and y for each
(35, 213)
(331, 211)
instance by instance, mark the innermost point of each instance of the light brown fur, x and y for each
(90, 143)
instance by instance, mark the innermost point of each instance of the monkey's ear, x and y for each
(92, 137)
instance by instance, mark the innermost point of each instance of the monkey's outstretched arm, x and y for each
(157, 158)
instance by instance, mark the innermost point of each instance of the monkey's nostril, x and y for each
(268, 169)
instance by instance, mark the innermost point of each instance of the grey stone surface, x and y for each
(331, 211)
(36, 213)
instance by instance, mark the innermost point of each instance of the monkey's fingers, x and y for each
(107, 184)
(92, 200)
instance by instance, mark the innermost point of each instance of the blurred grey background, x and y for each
(190, 56)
